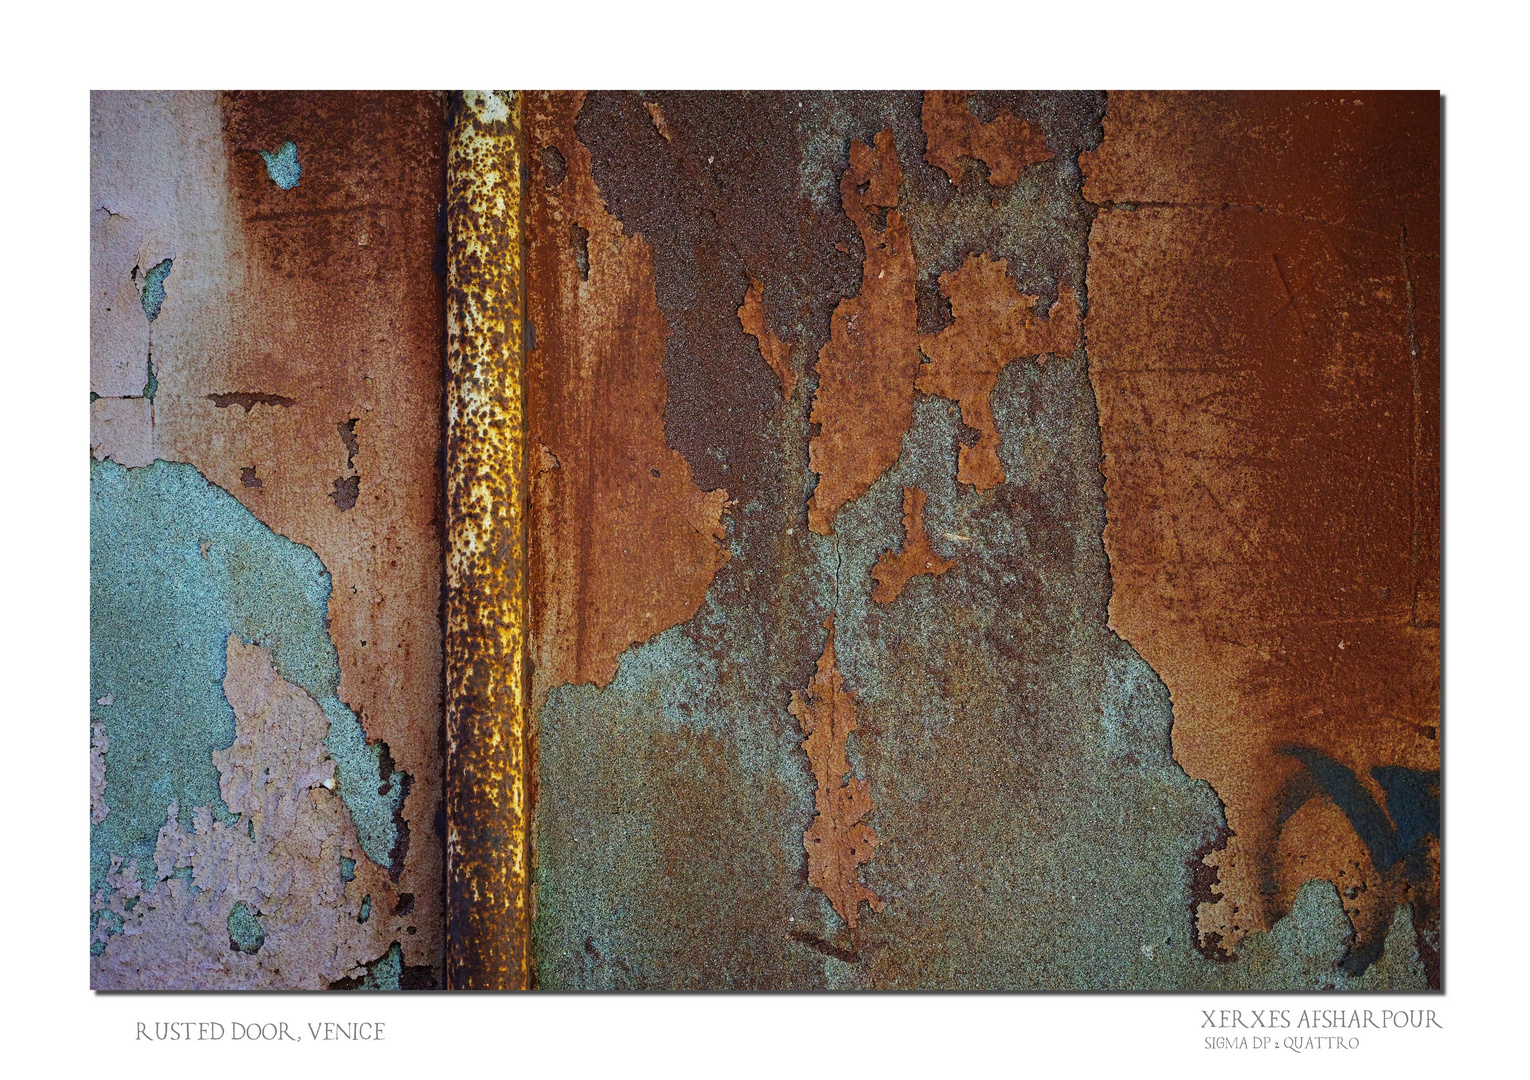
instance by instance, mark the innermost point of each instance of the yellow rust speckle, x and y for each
(488, 910)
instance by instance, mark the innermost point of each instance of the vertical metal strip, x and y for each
(487, 863)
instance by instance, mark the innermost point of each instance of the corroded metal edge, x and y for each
(487, 813)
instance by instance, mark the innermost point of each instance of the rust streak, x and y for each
(993, 325)
(625, 544)
(894, 569)
(1006, 144)
(865, 398)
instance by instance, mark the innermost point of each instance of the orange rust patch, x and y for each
(838, 841)
(777, 353)
(865, 399)
(993, 325)
(894, 569)
(624, 544)
(1006, 144)
(1262, 351)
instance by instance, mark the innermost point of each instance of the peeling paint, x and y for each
(256, 900)
(154, 292)
(838, 841)
(1006, 144)
(777, 353)
(992, 325)
(624, 543)
(864, 401)
(894, 569)
(282, 166)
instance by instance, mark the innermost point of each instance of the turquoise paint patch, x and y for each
(372, 789)
(347, 869)
(153, 297)
(152, 385)
(366, 909)
(384, 973)
(245, 932)
(283, 167)
(176, 565)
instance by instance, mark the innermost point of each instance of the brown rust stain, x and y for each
(1006, 144)
(865, 398)
(838, 842)
(487, 804)
(624, 544)
(894, 569)
(777, 353)
(324, 298)
(1263, 347)
(993, 324)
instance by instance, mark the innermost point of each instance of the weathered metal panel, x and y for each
(856, 319)
(266, 357)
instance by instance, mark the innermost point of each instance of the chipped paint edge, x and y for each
(487, 812)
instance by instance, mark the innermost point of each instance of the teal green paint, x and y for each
(366, 908)
(245, 932)
(385, 973)
(359, 778)
(347, 869)
(283, 167)
(154, 288)
(151, 387)
(177, 564)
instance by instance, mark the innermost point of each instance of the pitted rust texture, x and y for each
(865, 397)
(624, 541)
(1263, 344)
(1033, 829)
(992, 325)
(1006, 144)
(487, 868)
(839, 840)
(305, 308)
(894, 569)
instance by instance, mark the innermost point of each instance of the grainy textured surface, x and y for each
(1262, 339)
(294, 360)
(487, 886)
(624, 543)
(865, 396)
(1033, 829)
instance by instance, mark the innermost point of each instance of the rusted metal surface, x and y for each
(624, 542)
(487, 862)
(865, 397)
(1011, 755)
(1262, 333)
(293, 353)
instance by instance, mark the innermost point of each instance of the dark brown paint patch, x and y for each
(992, 325)
(894, 569)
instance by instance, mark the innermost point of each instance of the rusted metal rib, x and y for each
(487, 862)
